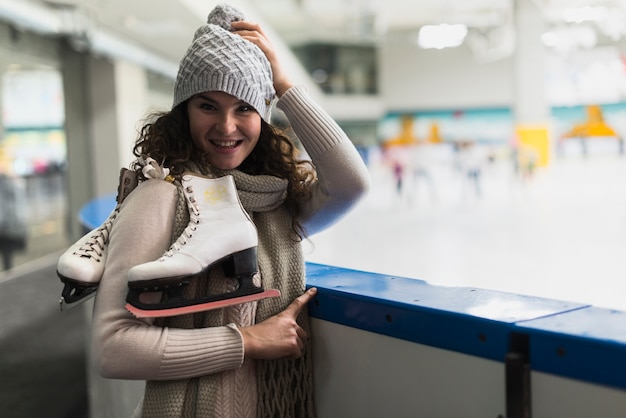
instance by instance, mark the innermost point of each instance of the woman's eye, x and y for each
(245, 108)
(206, 106)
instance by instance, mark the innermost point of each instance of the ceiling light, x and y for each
(441, 36)
(585, 14)
(570, 38)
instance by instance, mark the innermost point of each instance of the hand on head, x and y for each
(278, 336)
(254, 33)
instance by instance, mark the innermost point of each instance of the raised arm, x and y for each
(343, 176)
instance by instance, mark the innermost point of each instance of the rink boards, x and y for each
(401, 347)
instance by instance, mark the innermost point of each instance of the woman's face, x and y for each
(223, 127)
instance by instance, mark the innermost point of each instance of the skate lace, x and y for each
(94, 247)
(192, 226)
(152, 170)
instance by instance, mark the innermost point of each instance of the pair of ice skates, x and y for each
(219, 232)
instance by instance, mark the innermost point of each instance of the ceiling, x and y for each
(160, 30)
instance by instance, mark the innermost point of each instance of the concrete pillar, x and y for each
(103, 126)
(79, 174)
(117, 103)
(104, 102)
(530, 108)
(529, 65)
(132, 95)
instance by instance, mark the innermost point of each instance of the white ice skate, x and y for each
(219, 232)
(81, 266)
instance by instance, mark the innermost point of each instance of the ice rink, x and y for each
(558, 233)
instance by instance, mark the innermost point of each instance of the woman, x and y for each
(252, 359)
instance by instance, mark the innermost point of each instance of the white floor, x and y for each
(559, 234)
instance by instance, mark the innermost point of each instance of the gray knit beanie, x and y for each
(219, 60)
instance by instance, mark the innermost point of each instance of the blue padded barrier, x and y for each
(467, 320)
(96, 211)
(587, 344)
(567, 339)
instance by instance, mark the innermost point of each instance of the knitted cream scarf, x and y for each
(284, 387)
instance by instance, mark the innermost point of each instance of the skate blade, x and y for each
(74, 294)
(65, 305)
(209, 306)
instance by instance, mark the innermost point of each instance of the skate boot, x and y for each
(80, 267)
(219, 232)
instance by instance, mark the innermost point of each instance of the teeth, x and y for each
(225, 143)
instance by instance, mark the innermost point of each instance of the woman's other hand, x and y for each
(254, 33)
(278, 336)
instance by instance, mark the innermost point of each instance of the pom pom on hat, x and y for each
(219, 60)
(223, 15)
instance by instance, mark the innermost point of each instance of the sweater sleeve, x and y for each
(343, 178)
(126, 347)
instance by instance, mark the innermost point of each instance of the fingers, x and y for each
(280, 335)
(250, 31)
(302, 336)
(300, 302)
(246, 25)
(293, 310)
(254, 33)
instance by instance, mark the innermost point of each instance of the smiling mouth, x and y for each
(226, 144)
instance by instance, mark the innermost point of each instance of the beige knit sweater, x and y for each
(195, 365)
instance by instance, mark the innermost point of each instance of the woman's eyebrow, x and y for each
(203, 97)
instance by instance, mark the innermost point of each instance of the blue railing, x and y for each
(567, 339)
(570, 340)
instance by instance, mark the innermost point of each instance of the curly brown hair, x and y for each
(165, 136)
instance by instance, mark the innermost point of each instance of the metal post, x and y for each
(518, 389)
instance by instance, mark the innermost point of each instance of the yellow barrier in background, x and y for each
(534, 145)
